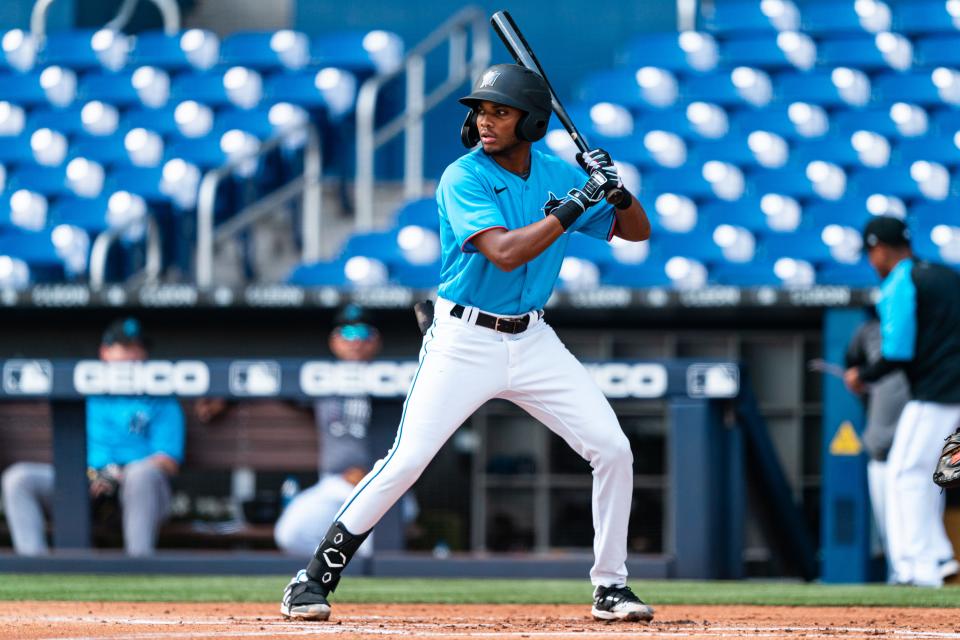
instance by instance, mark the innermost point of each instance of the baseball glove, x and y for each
(947, 474)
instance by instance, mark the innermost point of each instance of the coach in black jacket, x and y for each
(919, 310)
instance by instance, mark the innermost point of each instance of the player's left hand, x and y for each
(599, 160)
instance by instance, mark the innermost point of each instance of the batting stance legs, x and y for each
(463, 365)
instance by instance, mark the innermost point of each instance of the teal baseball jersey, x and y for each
(476, 194)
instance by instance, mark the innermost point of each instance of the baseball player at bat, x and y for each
(506, 214)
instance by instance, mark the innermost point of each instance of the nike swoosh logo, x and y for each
(500, 190)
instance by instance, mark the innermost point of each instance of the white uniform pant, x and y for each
(461, 367)
(916, 537)
(305, 521)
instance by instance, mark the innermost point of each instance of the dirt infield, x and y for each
(160, 621)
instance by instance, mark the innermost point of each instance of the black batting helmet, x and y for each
(514, 86)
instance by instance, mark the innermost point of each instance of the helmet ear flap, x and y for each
(531, 127)
(469, 133)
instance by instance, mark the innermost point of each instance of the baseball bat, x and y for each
(522, 53)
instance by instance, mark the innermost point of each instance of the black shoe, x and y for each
(305, 599)
(620, 603)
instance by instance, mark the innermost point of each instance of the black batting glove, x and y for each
(599, 160)
(568, 209)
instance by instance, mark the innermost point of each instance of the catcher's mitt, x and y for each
(947, 474)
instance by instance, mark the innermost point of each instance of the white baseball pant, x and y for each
(463, 365)
(916, 537)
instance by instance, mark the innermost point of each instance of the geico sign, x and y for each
(381, 379)
(621, 380)
(151, 377)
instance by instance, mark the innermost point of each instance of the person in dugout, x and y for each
(134, 446)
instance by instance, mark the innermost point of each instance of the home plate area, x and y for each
(142, 621)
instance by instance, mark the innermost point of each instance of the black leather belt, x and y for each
(516, 324)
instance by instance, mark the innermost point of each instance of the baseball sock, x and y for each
(333, 554)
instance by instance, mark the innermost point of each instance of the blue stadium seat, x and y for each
(381, 245)
(850, 211)
(939, 51)
(863, 51)
(90, 214)
(923, 245)
(733, 148)
(738, 16)
(16, 149)
(107, 150)
(925, 16)
(586, 247)
(683, 52)
(764, 51)
(206, 87)
(801, 244)
(420, 213)
(697, 245)
(650, 273)
(283, 49)
(911, 86)
(22, 88)
(858, 275)
(49, 181)
(774, 118)
(253, 121)
(790, 180)
(817, 87)
(745, 212)
(876, 119)
(114, 88)
(930, 214)
(143, 181)
(66, 121)
(821, 17)
(720, 88)
(935, 148)
(160, 120)
(751, 274)
(894, 180)
(687, 180)
(836, 149)
(205, 152)
(364, 53)
(72, 49)
(157, 49)
(673, 120)
(416, 276)
(319, 274)
(34, 248)
(946, 122)
(620, 86)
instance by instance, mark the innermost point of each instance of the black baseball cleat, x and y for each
(305, 599)
(620, 603)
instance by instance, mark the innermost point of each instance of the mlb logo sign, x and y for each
(254, 378)
(720, 380)
(27, 377)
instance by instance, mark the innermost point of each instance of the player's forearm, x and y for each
(882, 367)
(515, 248)
(632, 222)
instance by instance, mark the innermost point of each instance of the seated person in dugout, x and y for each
(134, 446)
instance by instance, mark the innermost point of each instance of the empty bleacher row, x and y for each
(97, 128)
(759, 147)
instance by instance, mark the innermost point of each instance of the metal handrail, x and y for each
(169, 11)
(101, 248)
(309, 183)
(418, 103)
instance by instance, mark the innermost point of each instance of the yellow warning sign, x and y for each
(846, 442)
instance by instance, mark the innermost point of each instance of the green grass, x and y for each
(268, 589)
